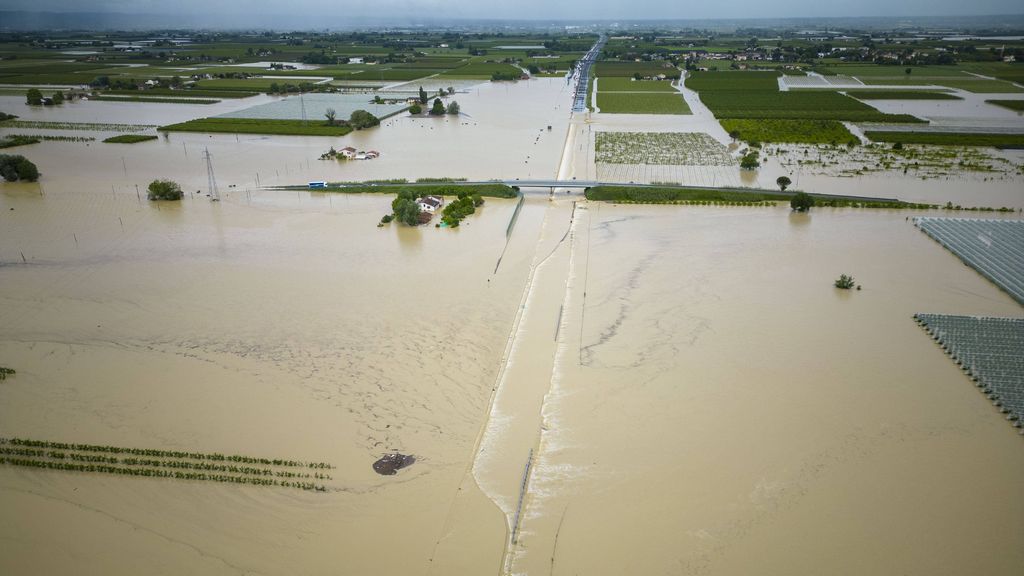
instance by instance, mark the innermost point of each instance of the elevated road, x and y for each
(582, 74)
(551, 185)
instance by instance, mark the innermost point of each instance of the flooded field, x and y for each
(716, 405)
(603, 390)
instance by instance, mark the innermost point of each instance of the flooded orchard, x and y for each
(598, 389)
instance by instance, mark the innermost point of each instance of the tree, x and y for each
(844, 282)
(405, 208)
(750, 161)
(164, 190)
(783, 182)
(331, 114)
(423, 96)
(909, 70)
(453, 108)
(33, 97)
(362, 119)
(801, 202)
(438, 108)
(58, 97)
(415, 109)
(16, 167)
(734, 134)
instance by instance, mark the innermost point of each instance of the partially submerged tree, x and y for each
(423, 96)
(58, 97)
(17, 167)
(33, 97)
(331, 114)
(405, 208)
(801, 202)
(362, 119)
(453, 108)
(783, 182)
(415, 109)
(438, 108)
(164, 190)
(845, 282)
(750, 161)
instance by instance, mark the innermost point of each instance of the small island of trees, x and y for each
(164, 190)
(17, 167)
(801, 202)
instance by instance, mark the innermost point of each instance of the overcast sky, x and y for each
(535, 9)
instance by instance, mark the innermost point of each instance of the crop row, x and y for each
(179, 464)
(43, 125)
(157, 473)
(161, 453)
(661, 148)
(51, 138)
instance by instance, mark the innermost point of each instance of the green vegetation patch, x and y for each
(486, 190)
(948, 138)
(99, 127)
(129, 138)
(796, 105)
(729, 197)
(619, 84)
(17, 140)
(733, 80)
(901, 95)
(259, 126)
(640, 103)
(1016, 105)
(631, 69)
(790, 131)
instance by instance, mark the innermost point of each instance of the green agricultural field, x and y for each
(258, 126)
(129, 139)
(733, 80)
(790, 131)
(248, 85)
(795, 105)
(640, 102)
(728, 197)
(440, 189)
(1016, 105)
(628, 69)
(949, 138)
(620, 84)
(901, 95)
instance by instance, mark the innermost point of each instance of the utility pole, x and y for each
(211, 181)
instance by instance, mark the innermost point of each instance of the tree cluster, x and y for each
(801, 202)
(405, 208)
(17, 167)
(164, 190)
(458, 209)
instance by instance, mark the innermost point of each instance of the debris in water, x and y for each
(389, 464)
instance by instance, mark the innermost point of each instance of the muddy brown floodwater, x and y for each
(635, 389)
